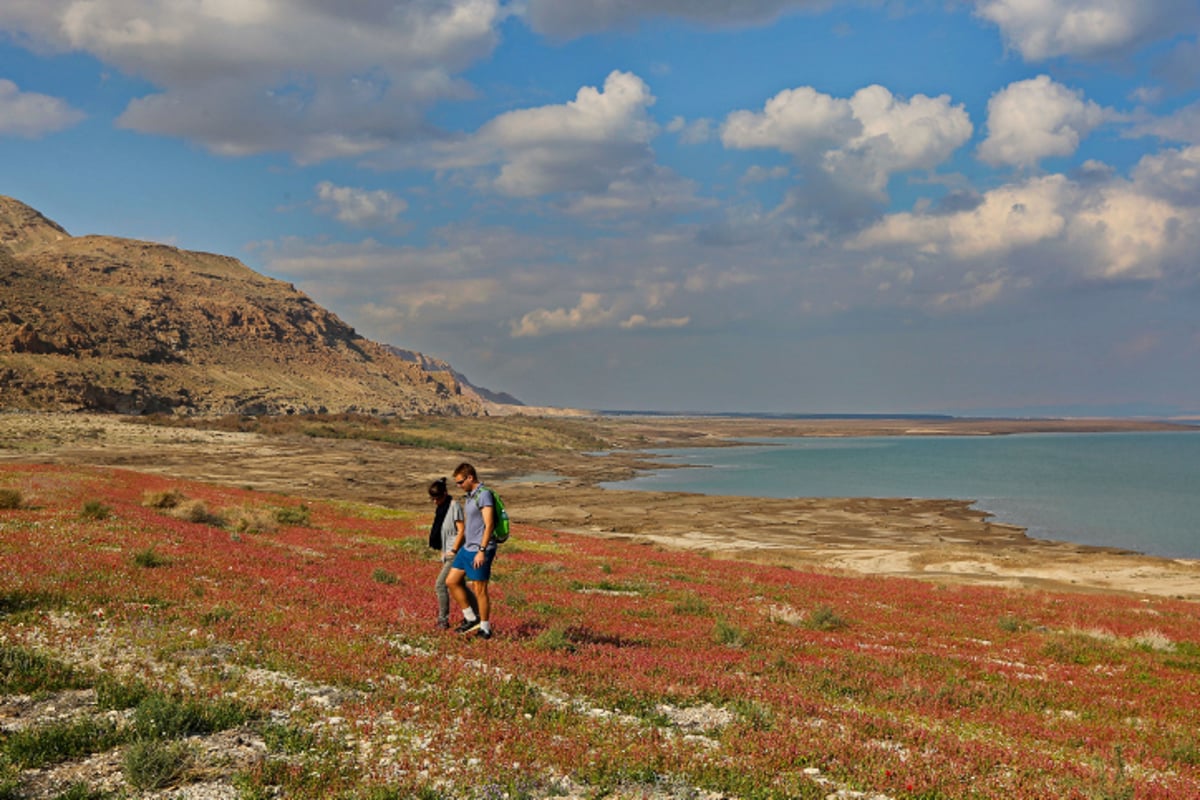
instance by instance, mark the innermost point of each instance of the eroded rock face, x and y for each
(103, 323)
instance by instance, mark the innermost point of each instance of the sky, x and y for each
(967, 206)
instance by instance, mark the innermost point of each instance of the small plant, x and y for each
(94, 509)
(215, 615)
(729, 635)
(824, 618)
(691, 604)
(1117, 786)
(555, 640)
(81, 791)
(163, 500)
(10, 498)
(1010, 624)
(154, 764)
(150, 559)
(24, 671)
(254, 520)
(197, 511)
(293, 515)
(113, 695)
(58, 742)
(162, 716)
(383, 576)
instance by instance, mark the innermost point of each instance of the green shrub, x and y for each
(58, 742)
(555, 640)
(24, 671)
(115, 695)
(81, 791)
(154, 764)
(824, 618)
(217, 614)
(94, 509)
(691, 604)
(290, 739)
(150, 559)
(383, 576)
(729, 635)
(163, 717)
(293, 515)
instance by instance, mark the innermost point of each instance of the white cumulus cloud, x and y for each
(360, 208)
(1035, 119)
(590, 312)
(1008, 218)
(1041, 29)
(597, 144)
(859, 142)
(30, 115)
(319, 79)
(1033, 230)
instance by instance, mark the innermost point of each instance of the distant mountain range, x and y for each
(108, 324)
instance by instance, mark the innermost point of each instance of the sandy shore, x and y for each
(939, 540)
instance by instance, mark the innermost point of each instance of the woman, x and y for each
(446, 535)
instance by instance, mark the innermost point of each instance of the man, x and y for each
(473, 560)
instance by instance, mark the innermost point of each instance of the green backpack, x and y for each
(501, 529)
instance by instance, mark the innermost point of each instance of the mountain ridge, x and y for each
(111, 324)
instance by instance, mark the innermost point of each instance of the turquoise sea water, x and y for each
(1139, 491)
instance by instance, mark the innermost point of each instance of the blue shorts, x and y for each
(465, 560)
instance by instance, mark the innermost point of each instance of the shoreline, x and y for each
(943, 541)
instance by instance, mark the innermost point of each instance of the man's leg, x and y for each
(463, 596)
(480, 588)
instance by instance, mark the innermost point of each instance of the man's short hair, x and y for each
(465, 469)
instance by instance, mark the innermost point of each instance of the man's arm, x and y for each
(489, 524)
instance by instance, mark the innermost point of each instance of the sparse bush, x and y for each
(163, 500)
(10, 498)
(254, 520)
(154, 764)
(94, 509)
(197, 511)
(150, 559)
(1153, 640)
(824, 618)
(785, 614)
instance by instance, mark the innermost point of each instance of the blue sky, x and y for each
(682, 205)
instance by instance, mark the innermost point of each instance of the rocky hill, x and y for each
(109, 324)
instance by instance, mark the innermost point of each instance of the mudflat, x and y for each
(555, 486)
